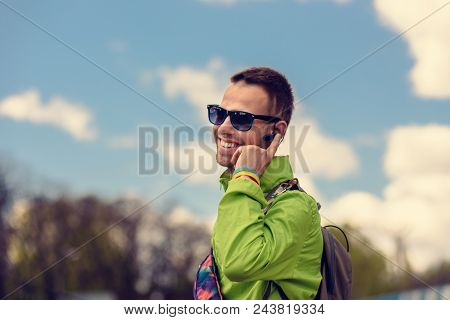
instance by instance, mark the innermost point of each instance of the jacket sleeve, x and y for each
(249, 245)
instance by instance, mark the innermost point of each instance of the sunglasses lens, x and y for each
(241, 120)
(216, 115)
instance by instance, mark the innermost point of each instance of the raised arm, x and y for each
(249, 245)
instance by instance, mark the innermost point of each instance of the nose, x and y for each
(226, 128)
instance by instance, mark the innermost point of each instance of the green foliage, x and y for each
(45, 236)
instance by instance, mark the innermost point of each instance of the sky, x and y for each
(371, 78)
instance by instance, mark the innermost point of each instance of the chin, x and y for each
(223, 161)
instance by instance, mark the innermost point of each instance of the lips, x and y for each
(228, 146)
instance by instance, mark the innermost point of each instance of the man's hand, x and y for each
(254, 157)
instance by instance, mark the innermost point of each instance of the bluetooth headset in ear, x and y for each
(269, 137)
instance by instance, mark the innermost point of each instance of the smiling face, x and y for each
(249, 98)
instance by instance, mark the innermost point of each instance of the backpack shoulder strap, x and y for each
(289, 184)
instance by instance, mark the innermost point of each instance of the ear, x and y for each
(281, 128)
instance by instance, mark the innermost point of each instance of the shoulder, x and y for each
(297, 198)
(296, 207)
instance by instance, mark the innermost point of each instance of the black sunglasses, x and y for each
(240, 120)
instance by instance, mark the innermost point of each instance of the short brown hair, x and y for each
(274, 83)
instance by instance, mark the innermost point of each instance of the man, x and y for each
(250, 248)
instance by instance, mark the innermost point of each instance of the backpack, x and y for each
(336, 266)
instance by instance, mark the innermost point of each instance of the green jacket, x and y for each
(251, 248)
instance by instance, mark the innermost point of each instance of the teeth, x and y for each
(227, 144)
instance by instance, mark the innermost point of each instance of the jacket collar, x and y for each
(278, 170)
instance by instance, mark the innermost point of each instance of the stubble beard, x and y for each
(223, 161)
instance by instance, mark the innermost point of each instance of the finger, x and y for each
(236, 155)
(272, 149)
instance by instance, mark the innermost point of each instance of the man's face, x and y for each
(249, 98)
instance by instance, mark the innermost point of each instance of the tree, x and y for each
(5, 199)
(49, 231)
(371, 275)
(146, 255)
(169, 254)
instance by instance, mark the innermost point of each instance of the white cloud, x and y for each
(429, 42)
(325, 156)
(199, 86)
(181, 215)
(71, 117)
(406, 148)
(415, 204)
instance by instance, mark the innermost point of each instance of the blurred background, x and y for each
(91, 209)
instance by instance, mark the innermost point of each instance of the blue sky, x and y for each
(309, 41)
